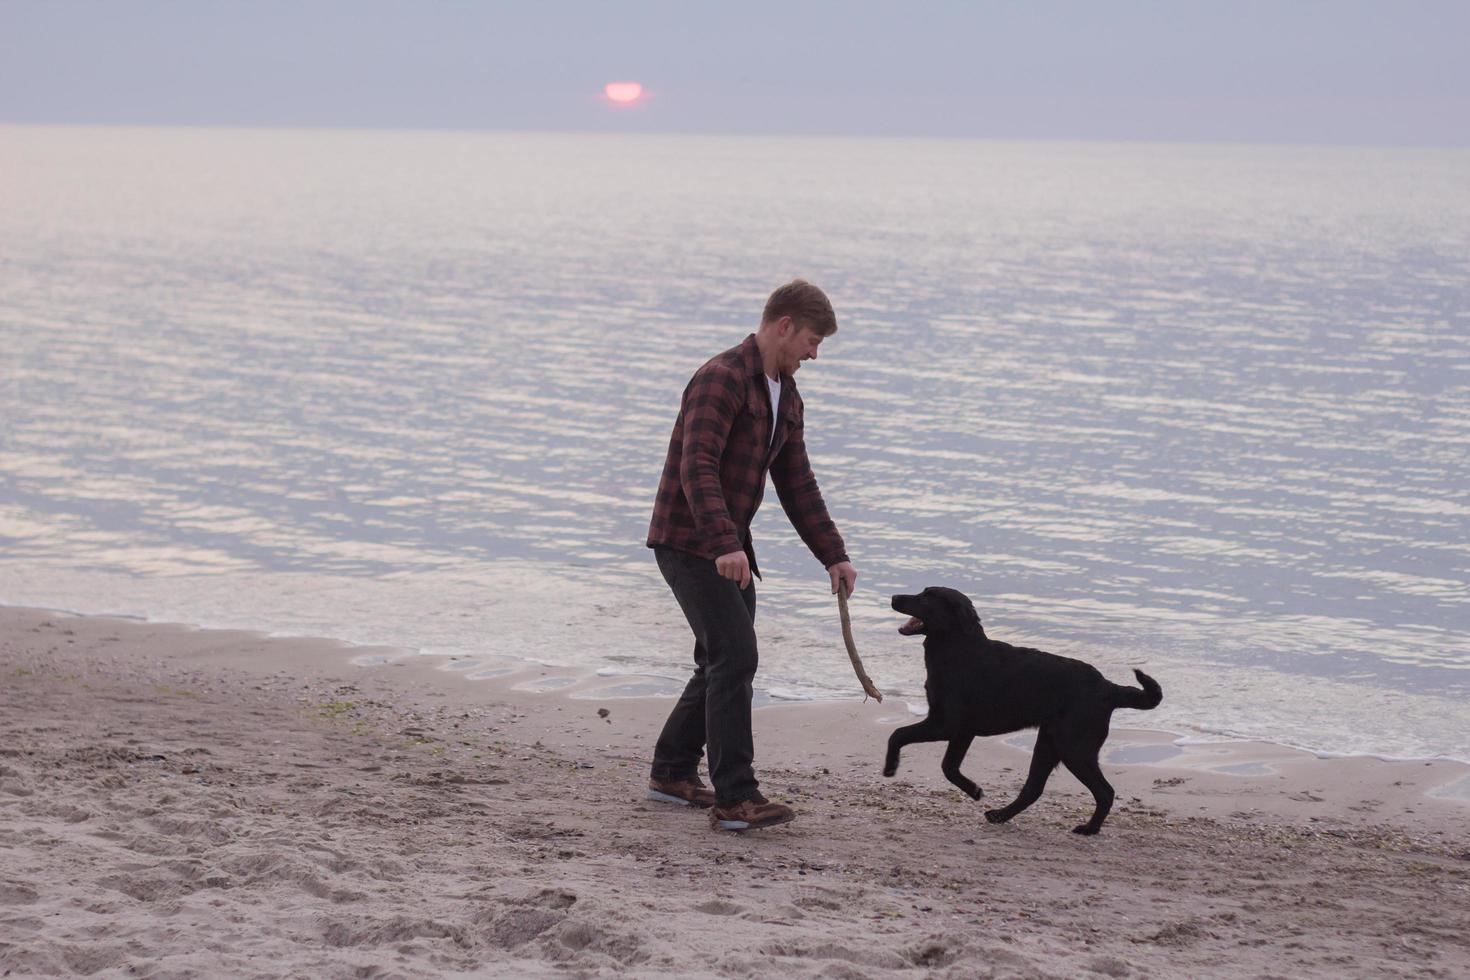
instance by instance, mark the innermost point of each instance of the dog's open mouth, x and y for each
(914, 627)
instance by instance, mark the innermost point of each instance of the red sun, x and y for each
(623, 93)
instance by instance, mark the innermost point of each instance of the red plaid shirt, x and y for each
(721, 449)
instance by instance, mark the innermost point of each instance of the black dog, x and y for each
(980, 686)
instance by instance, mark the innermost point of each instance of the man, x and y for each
(741, 417)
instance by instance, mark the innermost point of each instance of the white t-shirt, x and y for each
(775, 385)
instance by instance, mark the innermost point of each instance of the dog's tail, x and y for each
(1132, 697)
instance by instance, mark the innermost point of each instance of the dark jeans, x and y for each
(715, 706)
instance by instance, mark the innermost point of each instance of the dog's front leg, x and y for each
(925, 731)
(953, 756)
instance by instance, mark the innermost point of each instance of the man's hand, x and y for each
(841, 573)
(735, 567)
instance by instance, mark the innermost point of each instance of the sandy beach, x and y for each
(181, 803)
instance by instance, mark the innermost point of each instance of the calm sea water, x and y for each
(1202, 409)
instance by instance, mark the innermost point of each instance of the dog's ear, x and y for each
(961, 613)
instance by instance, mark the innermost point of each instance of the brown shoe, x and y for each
(750, 814)
(681, 792)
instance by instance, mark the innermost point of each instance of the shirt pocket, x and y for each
(759, 419)
(787, 419)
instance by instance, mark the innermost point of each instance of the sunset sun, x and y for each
(623, 93)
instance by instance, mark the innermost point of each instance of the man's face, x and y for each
(798, 343)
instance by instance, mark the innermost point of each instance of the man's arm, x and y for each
(801, 498)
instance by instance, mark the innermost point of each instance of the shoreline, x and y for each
(176, 801)
(584, 681)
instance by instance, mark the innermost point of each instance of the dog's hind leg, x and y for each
(1086, 769)
(1043, 761)
(953, 756)
(927, 730)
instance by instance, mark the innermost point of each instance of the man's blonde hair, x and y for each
(804, 303)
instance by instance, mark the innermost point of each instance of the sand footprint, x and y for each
(549, 898)
(582, 937)
(17, 893)
(883, 959)
(815, 897)
(719, 907)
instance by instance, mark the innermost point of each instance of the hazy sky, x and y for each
(1393, 72)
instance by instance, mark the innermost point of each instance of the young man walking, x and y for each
(741, 417)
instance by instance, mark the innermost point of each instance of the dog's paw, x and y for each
(996, 816)
(1086, 829)
(975, 792)
(890, 770)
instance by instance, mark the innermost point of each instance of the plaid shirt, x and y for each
(721, 449)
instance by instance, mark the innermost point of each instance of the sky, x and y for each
(1391, 73)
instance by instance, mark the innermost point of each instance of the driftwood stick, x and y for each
(869, 689)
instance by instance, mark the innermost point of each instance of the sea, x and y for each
(1199, 409)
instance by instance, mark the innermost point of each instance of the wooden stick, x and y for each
(869, 689)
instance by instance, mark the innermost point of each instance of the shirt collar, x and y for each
(751, 352)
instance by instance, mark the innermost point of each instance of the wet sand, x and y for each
(178, 803)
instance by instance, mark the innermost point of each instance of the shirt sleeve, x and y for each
(801, 498)
(710, 404)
